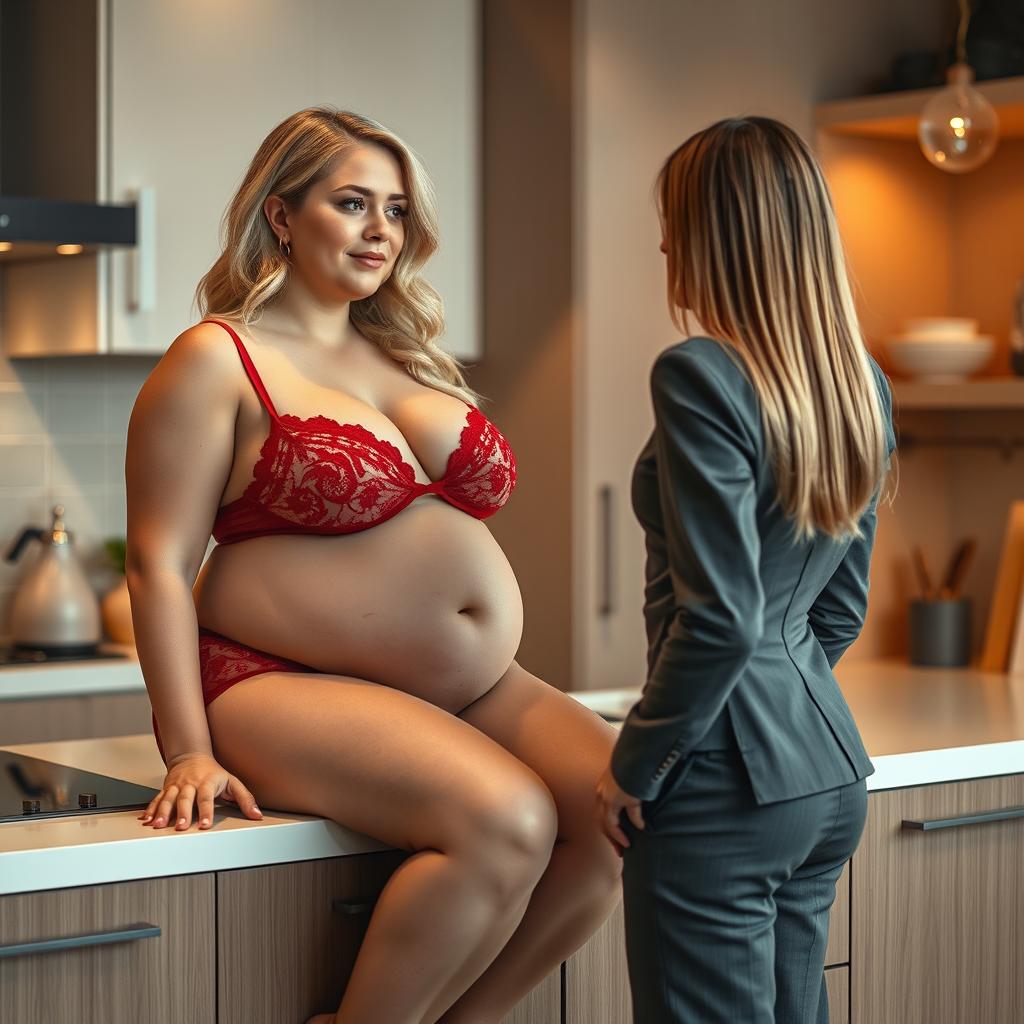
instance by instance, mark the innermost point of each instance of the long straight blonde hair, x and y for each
(405, 315)
(754, 252)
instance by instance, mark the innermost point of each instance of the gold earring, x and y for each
(284, 248)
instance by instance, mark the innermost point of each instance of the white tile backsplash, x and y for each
(75, 463)
(63, 424)
(119, 409)
(76, 410)
(22, 463)
(22, 410)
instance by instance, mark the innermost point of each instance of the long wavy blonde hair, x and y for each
(754, 252)
(405, 315)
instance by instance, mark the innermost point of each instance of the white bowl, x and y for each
(939, 360)
(941, 328)
(926, 339)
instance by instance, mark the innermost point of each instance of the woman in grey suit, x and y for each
(740, 770)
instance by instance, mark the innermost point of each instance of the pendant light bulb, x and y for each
(959, 128)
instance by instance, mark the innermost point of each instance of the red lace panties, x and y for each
(224, 662)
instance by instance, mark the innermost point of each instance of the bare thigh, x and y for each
(566, 744)
(367, 756)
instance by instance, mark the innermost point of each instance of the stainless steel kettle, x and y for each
(54, 607)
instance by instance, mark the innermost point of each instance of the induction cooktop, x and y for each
(33, 788)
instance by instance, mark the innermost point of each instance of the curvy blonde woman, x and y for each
(741, 770)
(348, 648)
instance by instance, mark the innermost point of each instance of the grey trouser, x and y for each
(727, 902)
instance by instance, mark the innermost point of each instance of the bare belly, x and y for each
(425, 602)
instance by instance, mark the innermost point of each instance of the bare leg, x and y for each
(481, 822)
(569, 747)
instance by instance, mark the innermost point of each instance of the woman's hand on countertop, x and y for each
(196, 779)
(611, 801)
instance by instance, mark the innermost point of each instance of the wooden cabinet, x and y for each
(837, 985)
(175, 99)
(838, 951)
(938, 911)
(926, 926)
(48, 719)
(288, 935)
(116, 954)
(596, 977)
(195, 88)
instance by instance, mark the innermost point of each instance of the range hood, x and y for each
(62, 230)
(52, 150)
(32, 228)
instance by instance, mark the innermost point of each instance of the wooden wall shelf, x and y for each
(980, 393)
(895, 115)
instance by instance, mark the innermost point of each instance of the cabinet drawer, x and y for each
(837, 984)
(937, 911)
(160, 979)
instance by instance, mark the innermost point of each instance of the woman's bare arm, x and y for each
(180, 450)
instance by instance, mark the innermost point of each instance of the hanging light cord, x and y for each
(961, 32)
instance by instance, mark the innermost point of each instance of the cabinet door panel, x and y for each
(542, 1006)
(194, 88)
(838, 951)
(596, 978)
(288, 934)
(164, 979)
(837, 984)
(937, 913)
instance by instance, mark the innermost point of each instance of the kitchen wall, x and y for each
(623, 84)
(582, 102)
(63, 424)
(205, 74)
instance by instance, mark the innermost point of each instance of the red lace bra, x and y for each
(319, 476)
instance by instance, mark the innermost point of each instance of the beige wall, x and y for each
(526, 372)
(644, 76)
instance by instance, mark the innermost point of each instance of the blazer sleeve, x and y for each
(705, 458)
(837, 615)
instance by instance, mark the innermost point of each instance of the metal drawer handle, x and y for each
(970, 819)
(130, 934)
(351, 908)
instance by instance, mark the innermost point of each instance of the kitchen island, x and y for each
(948, 747)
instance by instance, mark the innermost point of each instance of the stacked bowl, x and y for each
(940, 349)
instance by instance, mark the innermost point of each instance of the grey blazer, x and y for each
(738, 615)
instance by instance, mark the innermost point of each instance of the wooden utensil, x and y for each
(958, 566)
(923, 576)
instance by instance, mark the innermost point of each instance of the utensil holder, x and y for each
(940, 632)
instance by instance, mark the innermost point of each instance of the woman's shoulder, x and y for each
(702, 364)
(699, 377)
(203, 351)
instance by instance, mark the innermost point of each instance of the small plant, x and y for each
(115, 548)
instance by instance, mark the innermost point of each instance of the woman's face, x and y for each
(349, 230)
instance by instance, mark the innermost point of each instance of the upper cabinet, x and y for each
(922, 242)
(185, 94)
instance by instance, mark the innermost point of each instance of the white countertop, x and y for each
(74, 678)
(920, 726)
